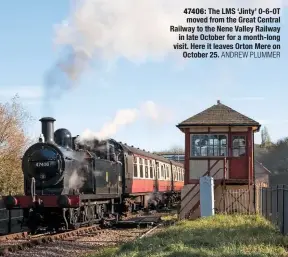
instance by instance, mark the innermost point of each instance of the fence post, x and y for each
(266, 212)
(283, 204)
(283, 213)
(277, 214)
(271, 202)
(263, 201)
(280, 207)
(274, 197)
(9, 221)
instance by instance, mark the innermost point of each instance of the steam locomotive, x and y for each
(69, 183)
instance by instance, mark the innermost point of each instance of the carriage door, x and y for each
(156, 184)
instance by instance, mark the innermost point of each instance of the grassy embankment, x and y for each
(220, 236)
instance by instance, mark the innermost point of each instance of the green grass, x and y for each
(220, 236)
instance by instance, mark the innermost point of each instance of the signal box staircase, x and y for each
(190, 196)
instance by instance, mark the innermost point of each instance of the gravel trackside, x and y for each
(79, 245)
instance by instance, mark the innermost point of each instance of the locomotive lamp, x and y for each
(10, 201)
(41, 139)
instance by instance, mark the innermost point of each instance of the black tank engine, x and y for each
(61, 172)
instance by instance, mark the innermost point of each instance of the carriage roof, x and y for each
(138, 151)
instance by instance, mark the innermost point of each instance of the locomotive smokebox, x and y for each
(48, 129)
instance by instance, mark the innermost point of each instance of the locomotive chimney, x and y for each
(48, 129)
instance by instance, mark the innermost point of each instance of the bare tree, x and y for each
(176, 149)
(13, 142)
(276, 156)
(265, 138)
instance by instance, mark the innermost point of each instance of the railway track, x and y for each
(82, 239)
(20, 241)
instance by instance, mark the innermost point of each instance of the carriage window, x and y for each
(208, 145)
(162, 171)
(168, 172)
(151, 170)
(173, 173)
(141, 167)
(135, 167)
(239, 146)
(157, 170)
(146, 171)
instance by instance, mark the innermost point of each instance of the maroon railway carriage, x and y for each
(147, 173)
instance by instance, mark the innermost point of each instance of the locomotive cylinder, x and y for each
(48, 129)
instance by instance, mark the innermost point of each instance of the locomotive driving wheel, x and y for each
(75, 219)
(33, 221)
(89, 214)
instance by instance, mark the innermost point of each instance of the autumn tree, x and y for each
(13, 142)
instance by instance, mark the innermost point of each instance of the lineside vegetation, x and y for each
(221, 236)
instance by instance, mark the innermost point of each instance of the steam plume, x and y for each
(138, 31)
(76, 181)
(127, 116)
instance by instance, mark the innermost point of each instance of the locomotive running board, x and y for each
(98, 196)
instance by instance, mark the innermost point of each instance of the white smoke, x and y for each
(76, 181)
(106, 30)
(135, 30)
(127, 116)
(154, 112)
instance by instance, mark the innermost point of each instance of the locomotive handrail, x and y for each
(33, 189)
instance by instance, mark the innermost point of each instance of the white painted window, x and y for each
(208, 145)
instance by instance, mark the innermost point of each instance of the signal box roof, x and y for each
(219, 115)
